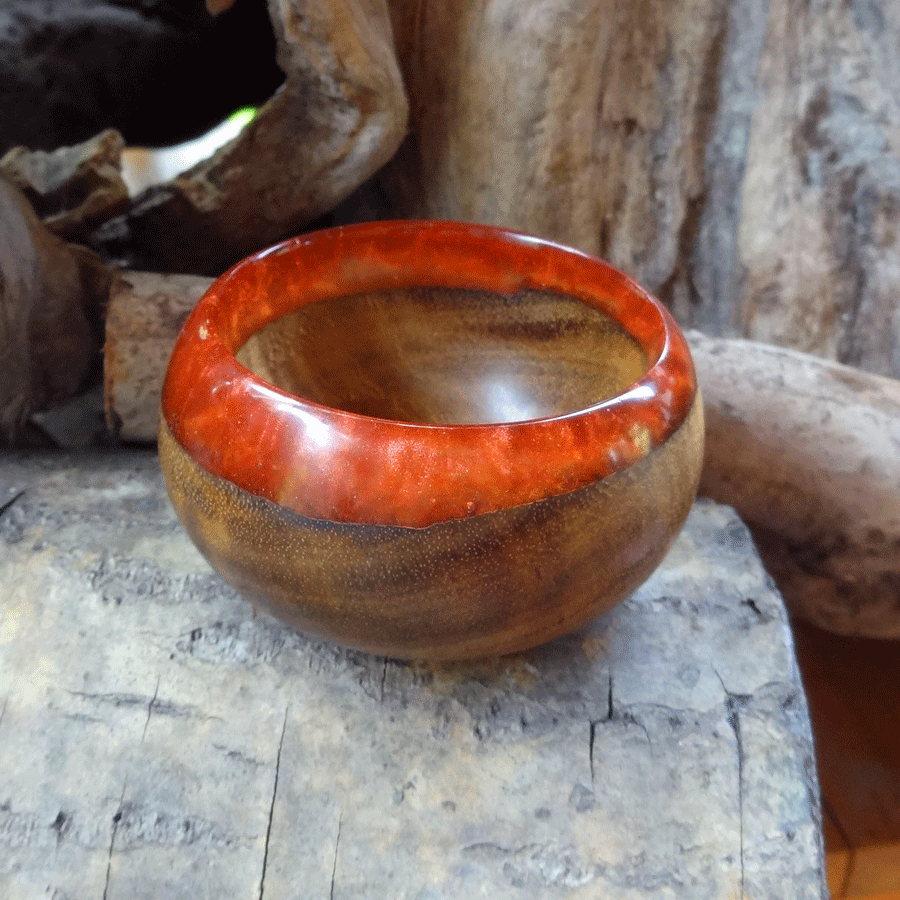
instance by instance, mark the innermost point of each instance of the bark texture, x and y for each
(740, 159)
(159, 740)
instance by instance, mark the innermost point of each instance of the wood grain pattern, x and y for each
(158, 739)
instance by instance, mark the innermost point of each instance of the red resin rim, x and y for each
(328, 464)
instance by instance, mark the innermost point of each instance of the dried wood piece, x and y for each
(808, 452)
(741, 159)
(339, 116)
(664, 751)
(72, 189)
(585, 122)
(146, 311)
(49, 292)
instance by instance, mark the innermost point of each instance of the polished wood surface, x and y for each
(431, 440)
(466, 588)
(329, 463)
(445, 357)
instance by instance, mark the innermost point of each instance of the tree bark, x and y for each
(740, 159)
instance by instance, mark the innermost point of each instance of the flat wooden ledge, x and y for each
(159, 740)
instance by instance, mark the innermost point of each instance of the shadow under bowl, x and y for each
(430, 439)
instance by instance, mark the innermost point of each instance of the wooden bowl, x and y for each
(430, 439)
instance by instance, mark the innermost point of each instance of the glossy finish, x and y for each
(326, 463)
(431, 439)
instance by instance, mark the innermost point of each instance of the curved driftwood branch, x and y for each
(339, 116)
(808, 452)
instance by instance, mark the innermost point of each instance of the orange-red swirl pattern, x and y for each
(329, 464)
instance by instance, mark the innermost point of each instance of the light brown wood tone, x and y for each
(145, 312)
(740, 158)
(807, 451)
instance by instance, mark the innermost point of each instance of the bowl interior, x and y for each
(448, 356)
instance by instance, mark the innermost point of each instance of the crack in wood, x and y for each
(112, 839)
(592, 734)
(734, 703)
(150, 709)
(4, 508)
(337, 843)
(265, 862)
(383, 677)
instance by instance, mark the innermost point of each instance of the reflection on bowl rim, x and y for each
(326, 463)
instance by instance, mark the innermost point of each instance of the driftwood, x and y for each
(809, 453)
(161, 741)
(805, 448)
(146, 310)
(49, 309)
(740, 158)
(72, 189)
(338, 117)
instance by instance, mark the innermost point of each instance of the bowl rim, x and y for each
(330, 464)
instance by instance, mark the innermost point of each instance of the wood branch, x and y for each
(72, 189)
(145, 313)
(49, 293)
(808, 452)
(338, 117)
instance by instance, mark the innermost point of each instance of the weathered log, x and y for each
(807, 449)
(338, 117)
(146, 310)
(741, 159)
(162, 741)
(49, 295)
(808, 452)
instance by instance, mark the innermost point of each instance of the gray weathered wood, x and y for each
(159, 740)
(741, 158)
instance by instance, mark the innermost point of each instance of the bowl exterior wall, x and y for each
(466, 588)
